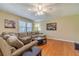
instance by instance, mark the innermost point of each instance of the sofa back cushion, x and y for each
(22, 34)
(11, 34)
(26, 39)
(5, 35)
(15, 42)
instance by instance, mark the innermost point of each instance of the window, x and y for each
(22, 26)
(37, 27)
(25, 27)
(29, 27)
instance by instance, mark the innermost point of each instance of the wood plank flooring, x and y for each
(58, 48)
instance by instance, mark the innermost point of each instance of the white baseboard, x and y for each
(64, 40)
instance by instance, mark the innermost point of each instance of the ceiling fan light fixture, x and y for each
(39, 13)
(40, 9)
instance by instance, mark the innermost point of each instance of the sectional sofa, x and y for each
(15, 44)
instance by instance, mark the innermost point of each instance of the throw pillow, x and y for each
(6, 36)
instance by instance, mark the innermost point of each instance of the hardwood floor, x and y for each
(58, 48)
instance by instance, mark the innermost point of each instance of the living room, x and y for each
(51, 29)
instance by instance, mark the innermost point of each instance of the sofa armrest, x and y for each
(24, 48)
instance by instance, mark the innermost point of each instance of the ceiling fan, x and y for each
(41, 9)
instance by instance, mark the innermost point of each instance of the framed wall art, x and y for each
(9, 23)
(51, 26)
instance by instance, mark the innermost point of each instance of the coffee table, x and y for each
(41, 40)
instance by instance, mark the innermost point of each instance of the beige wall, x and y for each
(4, 15)
(67, 28)
(8, 16)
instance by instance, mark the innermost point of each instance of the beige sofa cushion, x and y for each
(6, 49)
(15, 42)
(25, 40)
(24, 48)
